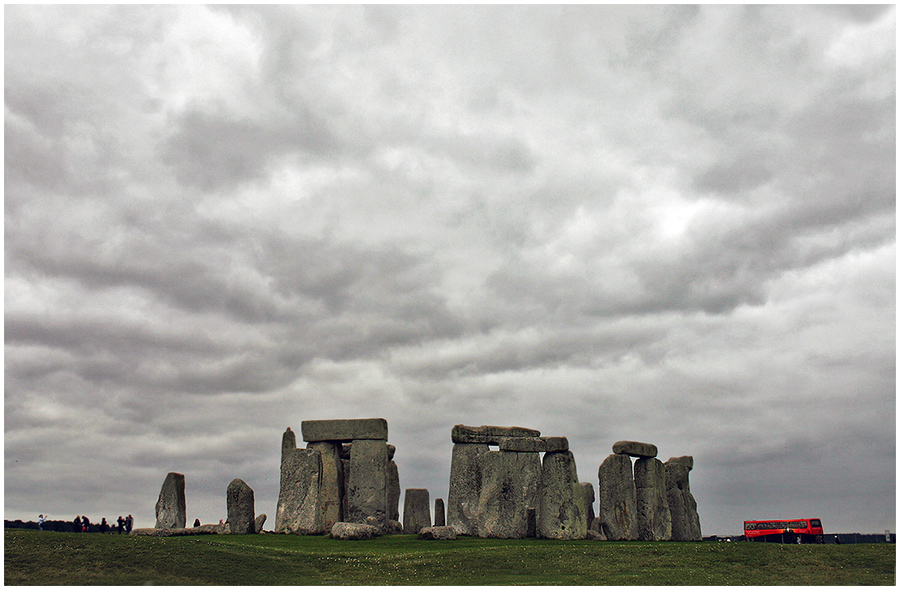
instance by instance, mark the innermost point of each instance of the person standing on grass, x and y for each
(103, 525)
(77, 524)
(40, 522)
(121, 524)
(129, 522)
(86, 524)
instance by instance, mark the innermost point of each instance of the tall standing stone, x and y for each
(561, 512)
(440, 514)
(654, 521)
(508, 479)
(393, 486)
(682, 506)
(465, 487)
(617, 499)
(288, 443)
(367, 488)
(331, 486)
(416, 511)
(241, 508)
(299, 509)
(588, 489)
(170, 508)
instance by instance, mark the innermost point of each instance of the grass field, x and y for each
(47, 558)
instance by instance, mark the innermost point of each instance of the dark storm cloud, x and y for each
(673, 224)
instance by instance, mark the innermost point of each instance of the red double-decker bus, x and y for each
(803, 530)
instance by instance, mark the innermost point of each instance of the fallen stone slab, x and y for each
(438, 533)
(344, 430)
(353, 531)
(634, 449)
(490, 435)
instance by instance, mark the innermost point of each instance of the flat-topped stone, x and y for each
(634, 449)
(344, 430)
(523, 444)
(686, 460)
(438, 533)
(354, 531)
(490, 435)
(556, 444)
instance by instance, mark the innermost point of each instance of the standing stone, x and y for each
(259, 522)
(241, 508)
(170, 508)
(299, 509)
(393, 490)
(344, 430)
(588, 489)
(345, 466)
(288, 443)
(465, 487)
(561, 512)
(654, 521)
(507, 480)
(416, 511)
(439, 514)
(682, 506)
(618, 510)
(367, 488)
(331, 486)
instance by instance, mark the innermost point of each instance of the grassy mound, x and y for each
(48, 558)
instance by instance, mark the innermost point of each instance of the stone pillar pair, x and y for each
(319, 489)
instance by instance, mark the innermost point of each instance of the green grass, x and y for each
(47, 558)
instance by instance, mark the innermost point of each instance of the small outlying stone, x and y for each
(259, 522)
(438, 533)
(170, 508)
(440, 518)
(490, 435)
(352, 531)
(635, 449)
(393, 527)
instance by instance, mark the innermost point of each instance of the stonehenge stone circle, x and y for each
(170, 508)
(299, 508)
(367, 488)
(560, 512)
(634, 449)
(241, 508)
(344, 430)
(618, 509)
(416, 511)
(465, 487)
(509, 480)
(354, 531)
(654, 521)
(440, 518)
(438, 533)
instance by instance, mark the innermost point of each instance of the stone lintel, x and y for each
(490, 435)
(344, 430)
(635, 449)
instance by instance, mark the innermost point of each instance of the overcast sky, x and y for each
(671, 224)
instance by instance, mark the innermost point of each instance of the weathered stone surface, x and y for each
(634, 449)
(288, 443)
(206, 529)
(394, 527)
(259, 522)
(354, 531)
(490, 435)
(367, 488)
(345, 451)
(682, 506)
(438, 533)
(170, 507)
(509, 482)
(331, 486)
(523, 444)
(587, 489)
(561, 511)
(416, 511)
(556, 444)
(241, 508)
(686, 460)
(392, 450)
(618, 504)
(593, 535)
(440, 518)
(345, 465)
(344, 430)
(299, 510)
(654, 522)
(465, 487)
(393, 490)
(531, 522)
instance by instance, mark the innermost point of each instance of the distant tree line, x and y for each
(60, 526)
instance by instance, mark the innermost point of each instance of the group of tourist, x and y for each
(82, 524)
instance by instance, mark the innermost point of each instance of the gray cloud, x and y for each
(672, 224)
